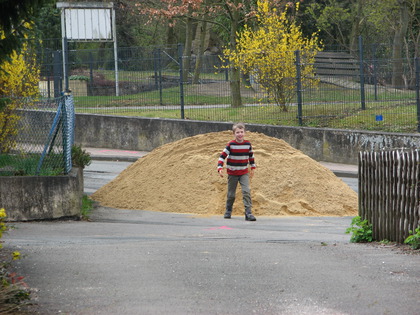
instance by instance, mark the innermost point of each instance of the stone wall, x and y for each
(42, 197)
(145, 134)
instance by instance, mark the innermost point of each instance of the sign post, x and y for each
(88, 21)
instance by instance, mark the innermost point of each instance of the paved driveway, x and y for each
(141, 262)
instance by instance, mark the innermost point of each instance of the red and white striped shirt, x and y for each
(238, 156)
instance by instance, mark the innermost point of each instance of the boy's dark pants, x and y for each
(246, 192)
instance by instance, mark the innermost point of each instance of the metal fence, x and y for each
(347, 92)
(389, 193)
(44, 139)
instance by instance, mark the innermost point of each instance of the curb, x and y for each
(115, 158)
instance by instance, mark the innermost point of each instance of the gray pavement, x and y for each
(144, 262)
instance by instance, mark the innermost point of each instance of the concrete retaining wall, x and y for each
(42, 197)
(145, 134)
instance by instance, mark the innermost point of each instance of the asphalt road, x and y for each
(142, 262)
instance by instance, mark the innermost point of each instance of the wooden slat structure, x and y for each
(389, 192)
(338, 64)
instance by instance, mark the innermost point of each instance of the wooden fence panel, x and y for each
(389, 192)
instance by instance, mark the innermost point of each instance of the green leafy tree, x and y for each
(396, 22)
(267, 53)
(399, 20)
(335, 19)
(15, 23)
(227, 15)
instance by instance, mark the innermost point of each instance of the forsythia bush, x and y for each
(19, 77)
(267, 53)
(13, 290)
(3, 227)
(2, 224)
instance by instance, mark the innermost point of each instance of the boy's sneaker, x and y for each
(227, 215)
(250, 217)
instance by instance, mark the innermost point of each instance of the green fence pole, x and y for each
(417, 67)
(299, 87)
(158, 73)
(362, 76)
(181, 83)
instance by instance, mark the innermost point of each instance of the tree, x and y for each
(267, 53)
(393, 22)
(233, 13)
(19, 77)
(16, 23)
(172, 11)
(334, 19)
(395, 16)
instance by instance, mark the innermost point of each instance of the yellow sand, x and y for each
(182, 177)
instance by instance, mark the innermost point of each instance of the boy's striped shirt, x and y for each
(238, 156)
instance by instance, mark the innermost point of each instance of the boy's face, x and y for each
(239, 134)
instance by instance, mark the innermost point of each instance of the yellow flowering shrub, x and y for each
(268, 53)
(2, 224)
(19, 77)
(3, 228)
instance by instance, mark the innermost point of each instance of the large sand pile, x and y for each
(182, 177)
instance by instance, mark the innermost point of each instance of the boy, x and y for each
(239, 154)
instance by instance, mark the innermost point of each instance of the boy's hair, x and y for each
(238, 126)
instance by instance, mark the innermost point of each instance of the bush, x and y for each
(13, 290)
(87, 206)
(414, 239)
(80, 157)
(79, 77)
(361, 229)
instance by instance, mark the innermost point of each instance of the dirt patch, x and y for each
(182, 177)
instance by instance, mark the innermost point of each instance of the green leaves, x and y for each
(266, 52)
(414, 239)
(361, 230)
(80, 157)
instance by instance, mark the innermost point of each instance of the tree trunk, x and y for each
(186, 60)
(397, 48)
(235, 75)
(202, 28)
(355, 28)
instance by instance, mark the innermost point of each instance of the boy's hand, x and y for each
(220, 171)
(251, 173)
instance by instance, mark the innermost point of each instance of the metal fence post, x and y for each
(375, 71)
(362, 76)
(66, 63)
(68, 125)
(298, 87)
(417, 67)
(155, 67)
(160, 76)
(58, 73)
(90, 83)
(181, 83)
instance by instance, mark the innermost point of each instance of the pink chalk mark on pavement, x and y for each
(220, 228)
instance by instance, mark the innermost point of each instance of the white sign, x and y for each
(88, 24)
(88, 21)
